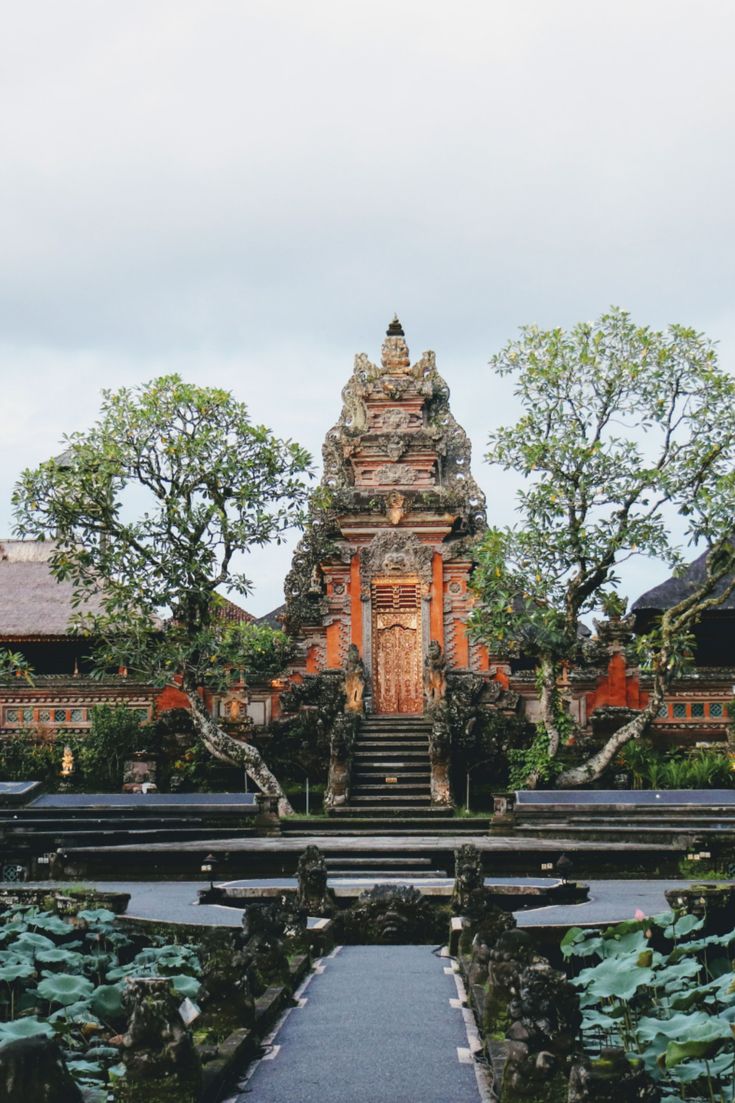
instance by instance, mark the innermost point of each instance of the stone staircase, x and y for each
(396, 748)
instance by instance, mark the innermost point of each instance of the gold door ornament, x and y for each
(397, 651)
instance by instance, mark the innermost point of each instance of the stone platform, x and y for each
(277, 855)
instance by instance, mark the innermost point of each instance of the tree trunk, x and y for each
(593, 768)
(227, 749)
(548, 704)
(675, 622)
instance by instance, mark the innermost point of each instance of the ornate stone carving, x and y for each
(396, 553)
(544, 1023)
(391, 914)
(468, 895)
(395, 507)
(435, 675)
(395, 474)
(354, 680)
(156, 1043)
(612, 1078)
(314, 896)
(396, 420)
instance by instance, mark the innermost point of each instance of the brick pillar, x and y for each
(437, 599)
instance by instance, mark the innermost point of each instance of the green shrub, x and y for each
(100, 755)
(29, 756)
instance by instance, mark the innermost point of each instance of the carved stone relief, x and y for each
(394, 553)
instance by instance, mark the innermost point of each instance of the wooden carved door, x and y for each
(397, 652)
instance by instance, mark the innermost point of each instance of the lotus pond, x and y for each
(664, 991)
(65, 977)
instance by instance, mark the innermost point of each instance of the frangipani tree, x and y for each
(148, 510)
(622, 428)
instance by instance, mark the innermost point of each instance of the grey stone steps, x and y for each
(416, 862)
(428, 812)
(390, 786)
(392, 744)
(390, 764)
(380, 874)
(420, 800)
(406, 773)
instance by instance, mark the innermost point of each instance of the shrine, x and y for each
(384, 564)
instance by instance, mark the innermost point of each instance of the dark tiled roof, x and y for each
(32, 602)
(274, 619)
(227, 610)
(671, 591)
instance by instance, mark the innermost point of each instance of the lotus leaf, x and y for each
(701, 1043)
(65, 989)
(184, 985)
(683, 925)
(24, 1028)
(97, 915)
(102, 1053)
(616, 976)
(79, 1067)
(672, 975)
(33, 943)
(51, 924)
(107, 1001)
(58, 956)
(20, 970)
(75, 1012)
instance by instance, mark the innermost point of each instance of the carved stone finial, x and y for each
(394, 355)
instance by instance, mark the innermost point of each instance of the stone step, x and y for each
(385, 760)
(380, 874)
(390, 786)
(392, 746)
(370, 777)
(428, 812)
(370, 801)
(373, 860)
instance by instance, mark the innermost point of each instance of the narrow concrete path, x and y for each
(379, 1024)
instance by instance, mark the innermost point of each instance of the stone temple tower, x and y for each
(385, 560)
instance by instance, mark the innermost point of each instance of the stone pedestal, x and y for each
(267, 820)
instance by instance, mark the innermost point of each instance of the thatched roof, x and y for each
(671, 591)
(32, 602)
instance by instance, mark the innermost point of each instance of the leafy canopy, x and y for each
(148, 509)
(621, 426)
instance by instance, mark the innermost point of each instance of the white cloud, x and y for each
(245, 193)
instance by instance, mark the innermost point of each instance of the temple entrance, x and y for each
(397, 650)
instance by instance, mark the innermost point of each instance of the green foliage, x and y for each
(532, 762)
(661, 989)
(30, 756)
(259, 651)
(702, 768)
(115, 735)
(13, 664)
(302, 737)
(153, 501)
(621, 425)
(38, 1000)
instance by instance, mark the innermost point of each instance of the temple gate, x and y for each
(385, 560)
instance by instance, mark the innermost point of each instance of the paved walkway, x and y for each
(377, 1025)
(176, 901)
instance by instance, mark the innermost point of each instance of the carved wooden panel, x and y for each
(397, 652)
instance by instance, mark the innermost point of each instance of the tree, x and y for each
(622, 428)
(147, 511)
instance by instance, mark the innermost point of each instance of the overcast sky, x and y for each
(244, 192)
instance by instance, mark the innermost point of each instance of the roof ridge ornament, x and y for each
(394, 356)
